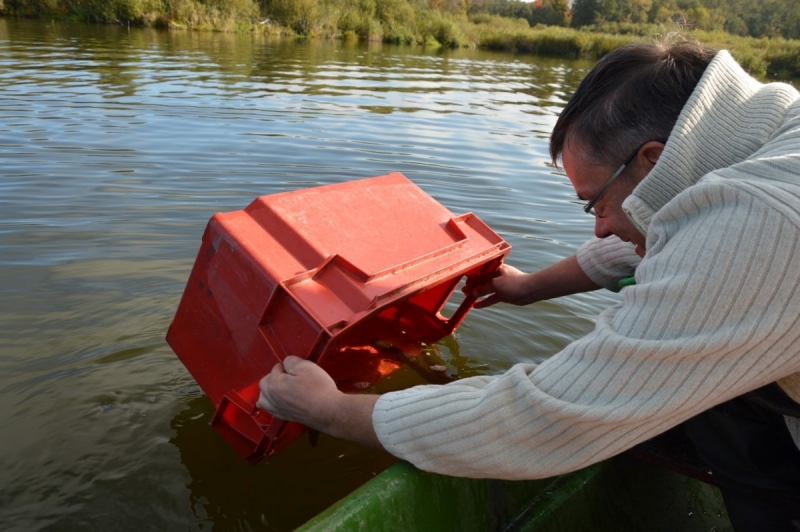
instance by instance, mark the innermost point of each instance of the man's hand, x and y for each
(508, 286)
(301, 391)
(298, 390)
(513, 286)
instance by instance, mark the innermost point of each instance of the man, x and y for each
(692, 170)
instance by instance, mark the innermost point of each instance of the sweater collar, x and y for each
(727, 118)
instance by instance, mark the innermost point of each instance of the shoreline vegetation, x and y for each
(764, 37)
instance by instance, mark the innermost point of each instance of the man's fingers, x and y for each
(477, 290)
(291, 362)
(483, 290)
(263, 385)
(488, 302)
(262, 403)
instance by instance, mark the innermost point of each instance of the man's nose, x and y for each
(600, 229)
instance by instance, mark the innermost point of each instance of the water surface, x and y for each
(117, 147)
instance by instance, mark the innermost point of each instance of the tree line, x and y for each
(402, 19)
(764, 18)
(584, 28)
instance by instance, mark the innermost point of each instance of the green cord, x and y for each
(626, 281)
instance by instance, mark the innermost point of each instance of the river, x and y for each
(117, 146)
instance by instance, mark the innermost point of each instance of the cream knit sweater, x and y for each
(715, 311)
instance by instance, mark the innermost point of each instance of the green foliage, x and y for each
(192, 13)
(559, 42)
(784, 62)
(298, 15)
(751, 60)
(550, 13)
(584, 12)
(114, 10)
(437, 28)
(33, 8)
(221, 15)
(541, 27)
(397, 20)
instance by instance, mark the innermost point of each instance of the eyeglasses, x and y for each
(589, 207)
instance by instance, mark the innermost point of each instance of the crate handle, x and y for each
(459, 315)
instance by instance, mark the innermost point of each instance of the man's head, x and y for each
(629, 100)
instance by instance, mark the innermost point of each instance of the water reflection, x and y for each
(277, 494)
(341, 74)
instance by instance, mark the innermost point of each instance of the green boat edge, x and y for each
(623, 493)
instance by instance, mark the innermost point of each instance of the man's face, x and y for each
(588, 178)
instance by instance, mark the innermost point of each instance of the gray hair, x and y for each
(632, 95)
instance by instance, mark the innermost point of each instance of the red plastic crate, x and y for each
(345, 275)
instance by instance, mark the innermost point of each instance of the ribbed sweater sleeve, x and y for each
(607, 260)
(714, 315)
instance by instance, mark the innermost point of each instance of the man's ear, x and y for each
(650, 153)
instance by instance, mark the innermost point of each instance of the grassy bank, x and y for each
(776, 58)
(423, 22)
